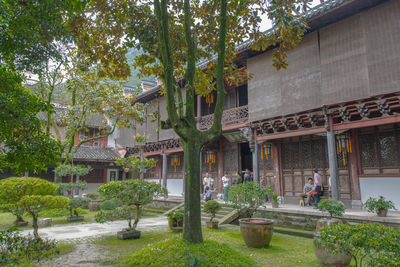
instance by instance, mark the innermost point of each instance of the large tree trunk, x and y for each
(35, 226)
(192, 219)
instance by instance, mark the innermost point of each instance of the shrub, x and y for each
(246, 198)
(75, 204)
(176, 218)
(32, 195)
(374, 205)
(93, 196)
(132, 194)
(176, 252)
(17, 250)
(334, 207)
(110, 204)
(377, 244)
(212, 207)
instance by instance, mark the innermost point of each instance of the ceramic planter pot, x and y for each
(128, 235)
(212, 224)
(381, 213)
(256, 232)
(275, 204)
(323, 254)
(75, 218)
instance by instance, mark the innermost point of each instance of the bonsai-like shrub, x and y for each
(374, 205)
(246, 198)
(175, 218)
(274, 197)
(93, 196)
(334, 207)
(375, 244)
(32, 195)
(110, 204)
(19, 250)
(212, 207)
(133, 194)
(75, 204)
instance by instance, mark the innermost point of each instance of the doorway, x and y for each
(246, 157)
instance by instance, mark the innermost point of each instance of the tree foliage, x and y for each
(133, 194)
(369, 244)
(334, 207)
(32, 195)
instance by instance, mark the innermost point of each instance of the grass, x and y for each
(284, 250)
(7, 219)
(65, 248)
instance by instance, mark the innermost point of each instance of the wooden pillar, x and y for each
(164, 169)
(255, 162)
(278, 171)
(354, 167)
(220, 165)
(333, 165)
(123, 175)
(198, 114)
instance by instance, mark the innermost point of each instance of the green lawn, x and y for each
(7, 219)
(284, 250)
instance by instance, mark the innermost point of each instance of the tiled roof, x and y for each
(92, 120)
(96, 153)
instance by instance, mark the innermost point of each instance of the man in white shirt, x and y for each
(225, 184)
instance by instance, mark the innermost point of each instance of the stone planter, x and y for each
(256, 232)
(75, 218)
(381, 213)
(323, 254)
(21, 223)
(177, 229)
(94, 205)
(128, 235)
(44, 222)
(174, 226)
(212, 224)
(275, 204)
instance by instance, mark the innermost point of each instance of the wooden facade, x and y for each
(344, 77)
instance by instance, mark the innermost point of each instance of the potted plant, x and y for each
(74, 204)
(325, 255)
(275, 198)
(133, 195)
(380, 206)
(175, 220)
(212, 207)
(246, 199)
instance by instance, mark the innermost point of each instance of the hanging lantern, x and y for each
(209, 157)
(175, 161)
(343, 146)
(210, 99)
(266, 151)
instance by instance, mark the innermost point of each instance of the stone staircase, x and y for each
(225, 215)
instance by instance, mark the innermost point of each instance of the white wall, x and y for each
(374, 187)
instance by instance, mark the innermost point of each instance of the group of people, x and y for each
(312, 190)
(208, 183)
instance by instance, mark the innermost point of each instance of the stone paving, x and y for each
(87, 230)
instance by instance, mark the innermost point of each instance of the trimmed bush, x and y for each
(176, 252)
(110, 204)
(334, 207)
(212, 207)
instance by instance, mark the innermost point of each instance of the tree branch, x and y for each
(216, 128)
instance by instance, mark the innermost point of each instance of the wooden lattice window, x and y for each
(380, 149)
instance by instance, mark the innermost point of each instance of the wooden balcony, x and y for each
(231, 116)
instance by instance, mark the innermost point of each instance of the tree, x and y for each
(174, 35)
(133, 194)
(29, 33)
(32, 195)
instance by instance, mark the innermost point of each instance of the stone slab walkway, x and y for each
(88, 230)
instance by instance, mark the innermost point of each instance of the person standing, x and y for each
(247, 176)
(225, 185)
(317, 187)
(208, 181)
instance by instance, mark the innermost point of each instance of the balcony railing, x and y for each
(229, 117)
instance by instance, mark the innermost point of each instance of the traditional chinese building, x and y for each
(339, 97)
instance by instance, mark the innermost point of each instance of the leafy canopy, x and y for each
(334, 207)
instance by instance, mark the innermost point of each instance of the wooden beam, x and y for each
(291, 134)
(367, 123)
